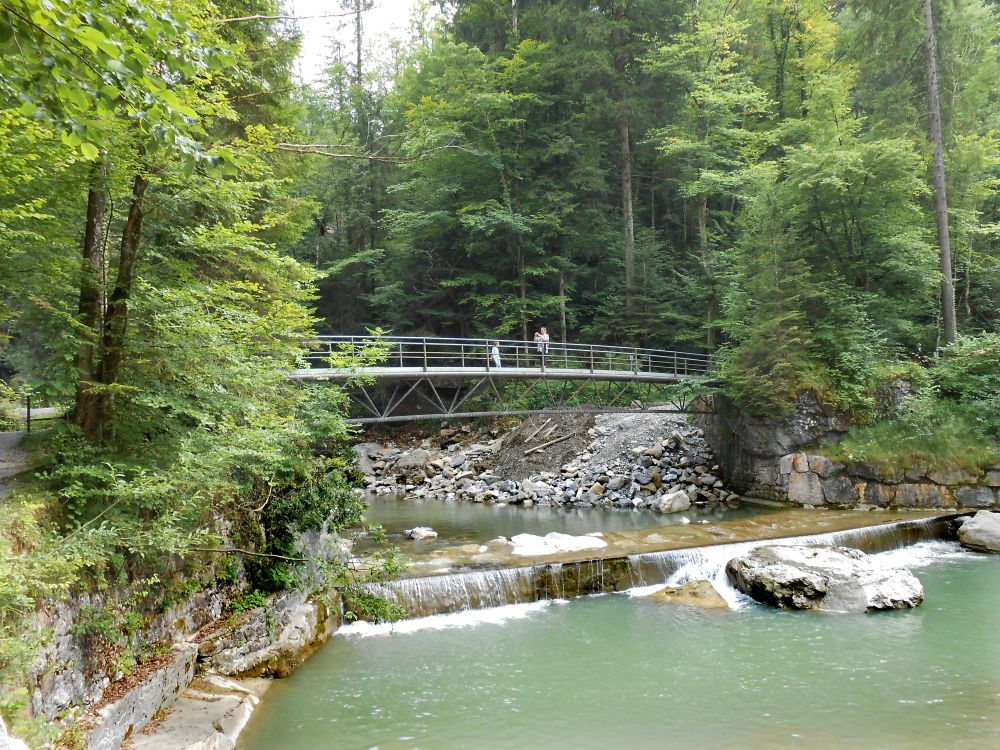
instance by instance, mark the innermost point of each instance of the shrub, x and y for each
(968, 372)
(928, 431)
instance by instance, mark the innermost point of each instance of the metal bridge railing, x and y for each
(435, 354)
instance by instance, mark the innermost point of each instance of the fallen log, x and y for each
(532, 435)
(551, 442)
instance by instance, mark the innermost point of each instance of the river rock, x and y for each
(981, 532)
(694, 593)
(420, 532)
(365, 452)
(835, 579)
(675, 502)
(415, 459)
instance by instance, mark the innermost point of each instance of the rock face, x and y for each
(270, 641)
(981, 532)
(7, 742)
(834, 579)
(764, 457)
(750, 448)
(695, 594)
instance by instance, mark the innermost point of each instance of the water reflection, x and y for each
(463, 522)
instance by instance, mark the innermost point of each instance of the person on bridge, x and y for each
(495, 353)
(542, 341)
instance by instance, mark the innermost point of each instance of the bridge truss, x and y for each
(405, 379)
(426, 398)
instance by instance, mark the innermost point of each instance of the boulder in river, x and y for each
(420, 532)
(981, 532)
(694, 593)
(415, 459)
(674, 502)
(834, 579)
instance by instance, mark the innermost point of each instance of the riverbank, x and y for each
(628, 560)
(654, 461)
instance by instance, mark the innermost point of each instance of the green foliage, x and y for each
(81, 64)
(968, 373)
(8, 402)
(928, 432)
(247, 600)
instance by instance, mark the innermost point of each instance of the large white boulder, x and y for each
(834, 579)
(981, 532)
(420, 532)
(674, 502)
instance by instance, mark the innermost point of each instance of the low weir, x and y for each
(451, 592)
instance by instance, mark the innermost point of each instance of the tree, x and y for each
(716, 137)
(940, 189)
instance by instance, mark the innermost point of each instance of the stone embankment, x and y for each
(811, 479)
(215, 706)
(647, 461)
(76, 679)
(776, 458)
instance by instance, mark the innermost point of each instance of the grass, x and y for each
(929, 433)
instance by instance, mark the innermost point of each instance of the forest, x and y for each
(807, 190)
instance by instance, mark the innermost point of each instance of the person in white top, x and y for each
(542, 342)
(495, 353)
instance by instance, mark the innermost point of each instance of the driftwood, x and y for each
(532, 435)
(551, 442)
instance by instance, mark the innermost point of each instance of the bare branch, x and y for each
(297, 148)
(240, 551)
(259, 17)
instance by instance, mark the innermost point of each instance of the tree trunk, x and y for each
(562, 304)
(116, 318)
(89, 311)
(711, 313)
(628, 221)
(940, 194)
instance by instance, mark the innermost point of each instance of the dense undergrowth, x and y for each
(952, 420)
(150, 526)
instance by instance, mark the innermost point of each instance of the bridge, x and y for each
(401, 378)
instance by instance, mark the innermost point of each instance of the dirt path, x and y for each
(13, 460)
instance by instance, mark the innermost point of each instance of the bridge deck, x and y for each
(504, 373)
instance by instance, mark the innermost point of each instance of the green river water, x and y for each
(620, 670)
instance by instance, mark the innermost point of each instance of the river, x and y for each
(620, 670)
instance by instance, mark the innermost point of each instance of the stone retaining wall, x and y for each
(749, 448)
(810, 479)
(64, 675)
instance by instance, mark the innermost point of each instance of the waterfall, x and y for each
(448, 593)
(452, 592)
